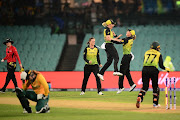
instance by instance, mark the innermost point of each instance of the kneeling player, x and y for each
(40, 93)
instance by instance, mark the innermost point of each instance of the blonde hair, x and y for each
(104, 24)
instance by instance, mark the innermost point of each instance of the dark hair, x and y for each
(90, 40)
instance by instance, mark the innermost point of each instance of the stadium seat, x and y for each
(35, 46)
(167, 35)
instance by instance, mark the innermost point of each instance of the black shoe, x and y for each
(2, 91)
(13, 91)
(29, 111)
(132, 87)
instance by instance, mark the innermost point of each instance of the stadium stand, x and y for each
(167, 35)
(37, 48)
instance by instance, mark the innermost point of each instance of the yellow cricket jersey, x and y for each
(108, 31)
(151, 58)
(127, 45)
(91, 55)
(39, 86)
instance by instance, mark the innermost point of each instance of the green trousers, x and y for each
(33, 96)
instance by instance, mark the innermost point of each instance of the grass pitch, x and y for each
(72, 106)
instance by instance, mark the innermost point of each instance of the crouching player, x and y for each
(40, 93)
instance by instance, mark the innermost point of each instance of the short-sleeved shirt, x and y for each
(12, 55)
(91, 55)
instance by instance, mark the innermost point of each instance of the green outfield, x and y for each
(72, 106)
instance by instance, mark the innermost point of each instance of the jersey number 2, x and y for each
(149, 57)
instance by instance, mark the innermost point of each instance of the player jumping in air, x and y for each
(126, 59)
(111, 51)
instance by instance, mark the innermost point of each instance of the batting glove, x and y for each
(167, 69)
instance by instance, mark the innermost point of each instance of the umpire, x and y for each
(11, 56)
(91, 57)
(152, 58)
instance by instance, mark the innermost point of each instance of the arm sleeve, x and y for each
(118, 42)
(115, 36)
(84, 56)
(161, 63)
(6, 57)
(98, 58)
(17, 55)
(125, 40)
(44, 84)
(26, 85)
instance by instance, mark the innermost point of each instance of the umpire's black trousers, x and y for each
(147, 73)
(87, 71)
(125, 70)
(10, 75)
(111, 54)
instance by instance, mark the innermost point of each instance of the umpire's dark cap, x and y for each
(8, 40)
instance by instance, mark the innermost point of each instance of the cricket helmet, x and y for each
(155, 45)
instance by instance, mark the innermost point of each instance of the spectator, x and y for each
(118, 22)
(168, 63)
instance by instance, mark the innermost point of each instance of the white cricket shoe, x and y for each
(100, 93)
(120, 90)
(132, 87)
(82, 93)
(156, 106)
(117, 74)
(24, 111)
(100, 77)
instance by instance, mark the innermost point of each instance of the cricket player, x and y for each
(92, 64)
(126, 59)
(111, 51)
(40, 93)
(152, 58)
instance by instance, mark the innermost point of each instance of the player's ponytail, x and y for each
(104, 24)
(133, 37)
